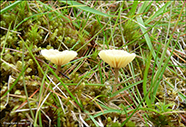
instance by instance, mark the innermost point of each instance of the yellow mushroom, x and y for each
(57, 57)
(116, 59)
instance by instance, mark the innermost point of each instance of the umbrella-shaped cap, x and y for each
(57, 57)
(116, 58)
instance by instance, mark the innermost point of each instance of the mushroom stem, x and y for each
(116, 78)
(57, 70)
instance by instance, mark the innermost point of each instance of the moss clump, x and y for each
(130, 33)
(163, 120)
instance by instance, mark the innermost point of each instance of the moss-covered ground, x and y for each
(151, 89)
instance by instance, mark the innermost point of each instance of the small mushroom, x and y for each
(57, 57)
(116, 59)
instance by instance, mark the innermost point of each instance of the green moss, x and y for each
(5, 66)
(17, 92)
(8, 58)
(19, 65)
(130, 124)
(33, 36)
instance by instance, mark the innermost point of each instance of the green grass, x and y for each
(151, 88)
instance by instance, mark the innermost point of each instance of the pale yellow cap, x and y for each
(116, 58)
(57, 57)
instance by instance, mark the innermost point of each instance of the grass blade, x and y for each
(80, 105)
(159, 12)
(125, 88)
(86, 8)
(11, 6)
(145, 79)
(143, 29)
(23, 70)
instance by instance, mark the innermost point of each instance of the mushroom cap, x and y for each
(57, 57)
(116, 58)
